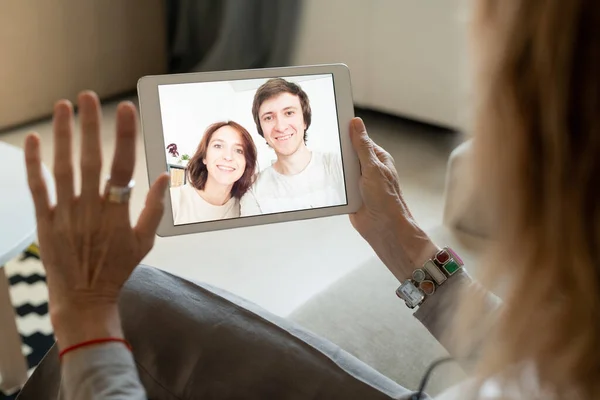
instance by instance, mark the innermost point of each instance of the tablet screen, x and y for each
(252, 147)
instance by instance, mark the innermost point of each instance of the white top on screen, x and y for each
(189, 207)
(320, 184)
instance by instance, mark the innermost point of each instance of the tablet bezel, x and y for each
(156, 158)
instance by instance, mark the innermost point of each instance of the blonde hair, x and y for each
(537, 149)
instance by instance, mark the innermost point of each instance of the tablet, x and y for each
(250, 147)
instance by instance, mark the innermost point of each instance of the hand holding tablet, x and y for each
(262, 146)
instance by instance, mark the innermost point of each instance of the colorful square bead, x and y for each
(433, 271)
(451, 267)
(454, 255)
(442, 257)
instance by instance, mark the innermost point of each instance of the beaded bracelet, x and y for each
(426, 280)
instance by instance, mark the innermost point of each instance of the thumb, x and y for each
(152, 212)
(361, 142)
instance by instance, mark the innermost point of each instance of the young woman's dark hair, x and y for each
(197, 172)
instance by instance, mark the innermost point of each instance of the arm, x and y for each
(439, 311)
(387, 224)
(103, 371)
(89, 248)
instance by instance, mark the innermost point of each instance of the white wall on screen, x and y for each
(188, 109)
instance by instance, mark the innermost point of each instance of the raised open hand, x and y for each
(88, 246)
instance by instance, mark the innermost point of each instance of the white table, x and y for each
(17, 232)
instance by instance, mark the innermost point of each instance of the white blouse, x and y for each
(190, 207)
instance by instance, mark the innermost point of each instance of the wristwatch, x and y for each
(425, 280)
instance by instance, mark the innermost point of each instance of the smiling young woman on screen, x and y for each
(219, 174)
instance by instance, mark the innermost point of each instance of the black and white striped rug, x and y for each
(29, 296)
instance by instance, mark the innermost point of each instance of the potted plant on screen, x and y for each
(185, 159)
(172, 154)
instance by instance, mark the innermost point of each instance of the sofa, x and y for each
(407, 58)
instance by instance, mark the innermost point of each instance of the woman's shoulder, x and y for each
(182, 189)
(182, 193)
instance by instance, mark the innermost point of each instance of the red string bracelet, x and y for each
(93, 342)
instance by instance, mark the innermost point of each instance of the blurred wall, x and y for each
(406, 57)
(54, 49)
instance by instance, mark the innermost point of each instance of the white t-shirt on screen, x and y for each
(320, 184)
(189, 207)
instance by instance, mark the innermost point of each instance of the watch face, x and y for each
(410, 294)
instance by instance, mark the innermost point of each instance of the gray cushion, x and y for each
(361, 313)
(192, 341)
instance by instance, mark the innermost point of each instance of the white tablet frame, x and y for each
(156, 159)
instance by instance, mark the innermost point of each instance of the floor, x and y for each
(420, 152)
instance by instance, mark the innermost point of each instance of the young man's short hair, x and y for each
(274, 87)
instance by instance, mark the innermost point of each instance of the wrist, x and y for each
(416, 248)
(76, 324)
(426, 280)
(421, 250)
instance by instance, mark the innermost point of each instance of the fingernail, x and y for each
(358, 124)
(127, 104)
(63, 107)
(85, 102)
(86, 94)
(31, 140)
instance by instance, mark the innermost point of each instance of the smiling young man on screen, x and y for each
(300, 178)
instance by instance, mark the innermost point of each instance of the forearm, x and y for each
(440, 313)
(78, 324)
(401, 247)
(102, 371)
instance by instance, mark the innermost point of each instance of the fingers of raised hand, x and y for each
(91, 153)
(63, 158)
(35, 178)
(124, 157)
(152, 213)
